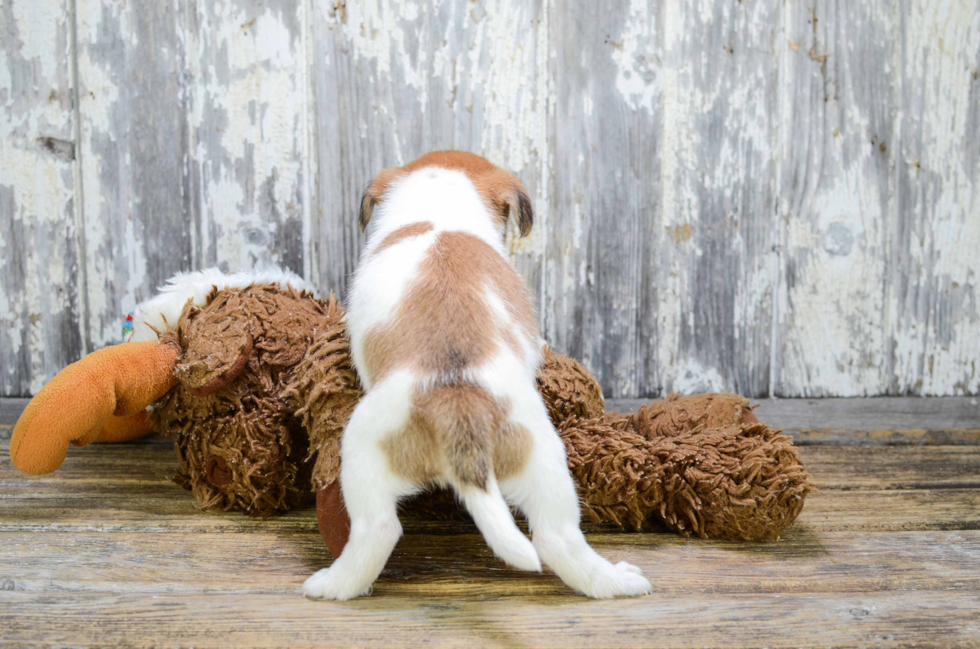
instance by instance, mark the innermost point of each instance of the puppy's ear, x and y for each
(519, 207)
(368, 201)
(374, 193)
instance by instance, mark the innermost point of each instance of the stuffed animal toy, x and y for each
(213, 354)
(250, 375)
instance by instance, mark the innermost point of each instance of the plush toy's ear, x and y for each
(99, 398)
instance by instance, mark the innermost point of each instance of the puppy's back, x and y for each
(465, 304)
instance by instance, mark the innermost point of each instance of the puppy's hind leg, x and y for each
(545, 492)
(371, 495)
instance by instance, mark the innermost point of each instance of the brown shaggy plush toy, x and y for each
(254, 383)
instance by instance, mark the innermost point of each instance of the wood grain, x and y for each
(718, 270)
(897, 619)
(463, 567)
(244, 64)
(776, 199)
(127, 488)
(836, 187)
(933, 322)
(106, 551)
(153, 461)
(600, 302)
(40, 301)
(164, 508)
(136, 198)
(872, 422)
(393, 81)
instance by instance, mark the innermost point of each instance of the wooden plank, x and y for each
(153, 462)
(916, 467)
(836, 185)
(40, 307)
(870, 421)
(877, 421)
(426, 565)
(165, 508)
(602, 250)
(871, 414)
(885, 436)
(934, 324)
(246, 70)
(919, 618)
(394, 80)
(892, 511)
(126, 488)
(133, 147)
(718, 270)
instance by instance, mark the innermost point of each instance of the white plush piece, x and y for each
(161, 312)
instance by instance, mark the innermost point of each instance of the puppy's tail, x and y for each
(465, 419)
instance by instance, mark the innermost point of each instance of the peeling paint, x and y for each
(835, 197)
(248, 116)
(717, 198)
(39, 329)
(935, 328)
(728, 196)
(638, 66)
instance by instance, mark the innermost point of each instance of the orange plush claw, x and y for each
(100, 398)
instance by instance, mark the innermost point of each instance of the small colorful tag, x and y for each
(127, 328)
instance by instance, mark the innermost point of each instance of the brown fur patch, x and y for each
(413, 453)
(461, 429)
(445, 326)
(402, 233)
(503, 192)
(511, 450)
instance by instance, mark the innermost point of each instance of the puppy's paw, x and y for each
(330, 584)
(620, 580)
(623, 565)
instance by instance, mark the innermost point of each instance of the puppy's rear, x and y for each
(445, 342)
(464, 421)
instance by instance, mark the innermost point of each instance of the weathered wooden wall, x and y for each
(777, 198)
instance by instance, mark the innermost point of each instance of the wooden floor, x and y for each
(108, 551)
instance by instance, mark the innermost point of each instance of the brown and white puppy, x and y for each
(444, 339)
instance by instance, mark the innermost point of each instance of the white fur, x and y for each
(544, 491)
(161, 312)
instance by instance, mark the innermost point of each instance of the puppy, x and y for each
(444, 339)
